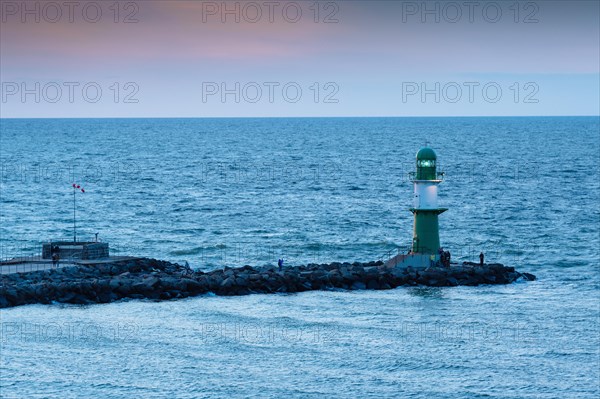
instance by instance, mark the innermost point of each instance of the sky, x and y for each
(298, 58)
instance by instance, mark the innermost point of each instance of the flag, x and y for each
(78, 187)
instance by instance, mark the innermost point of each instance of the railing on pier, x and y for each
(32, 263)
(413, 175)
(394, 252)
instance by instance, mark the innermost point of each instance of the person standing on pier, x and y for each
(55, 255)
(481, 257)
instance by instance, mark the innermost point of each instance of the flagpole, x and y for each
(74, 225)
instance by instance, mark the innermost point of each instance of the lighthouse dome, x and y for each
(426, 153)
(426, 164)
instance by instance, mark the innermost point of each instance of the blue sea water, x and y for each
(216, 192)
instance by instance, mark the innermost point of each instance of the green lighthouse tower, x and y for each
(426, 235)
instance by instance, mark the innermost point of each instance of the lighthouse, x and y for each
(426, 180)
(426, 233)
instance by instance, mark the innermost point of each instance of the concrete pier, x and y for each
(37, 263)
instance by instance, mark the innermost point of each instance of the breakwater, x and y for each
(160, 280)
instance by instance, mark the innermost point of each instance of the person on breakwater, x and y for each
(280, 264)
(481, 257)
(55, 251)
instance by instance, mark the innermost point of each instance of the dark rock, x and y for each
(529, 276)
(372, 285)
(151, 282)
(114, 283)
(194, 286)
(346, 273)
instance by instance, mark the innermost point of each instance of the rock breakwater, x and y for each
(160, 280)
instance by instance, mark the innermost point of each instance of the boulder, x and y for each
(528, 276)
(114, 283)
(228, 282)
(193, 286)
(372, 285)
(151, 282)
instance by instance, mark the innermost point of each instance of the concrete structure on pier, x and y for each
(76, 250)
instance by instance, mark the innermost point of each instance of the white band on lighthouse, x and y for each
(425, 194)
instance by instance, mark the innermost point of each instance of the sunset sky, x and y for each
(351, 58)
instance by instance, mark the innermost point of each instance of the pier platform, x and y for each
(37, 263)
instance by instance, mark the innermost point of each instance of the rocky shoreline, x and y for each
(160, 280)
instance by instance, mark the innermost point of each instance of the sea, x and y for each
(236, 191)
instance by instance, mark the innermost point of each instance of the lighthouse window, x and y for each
(426, 163)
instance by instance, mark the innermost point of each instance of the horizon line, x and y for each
(304, 117)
